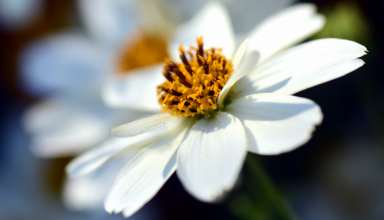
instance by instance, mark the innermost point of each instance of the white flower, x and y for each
(206, 130)
(68, 69)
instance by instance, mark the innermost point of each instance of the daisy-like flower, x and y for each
(68, 69)
(218, 103)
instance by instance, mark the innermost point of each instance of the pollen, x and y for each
(142, 51)
(192, 86)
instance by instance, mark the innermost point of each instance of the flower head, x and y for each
(218, 104)
(193, 86)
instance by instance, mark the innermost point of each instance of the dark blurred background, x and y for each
(337, 175)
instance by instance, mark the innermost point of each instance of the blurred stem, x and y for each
(259, 199)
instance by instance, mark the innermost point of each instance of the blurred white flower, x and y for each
(218, 103)
(18, 13)
(68, 70)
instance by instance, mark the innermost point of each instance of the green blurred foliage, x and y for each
(345, 20)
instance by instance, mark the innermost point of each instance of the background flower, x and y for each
(68, 69)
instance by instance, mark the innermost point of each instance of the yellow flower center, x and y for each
(144, 50)
(193, 86)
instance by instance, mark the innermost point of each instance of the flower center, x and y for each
(193, 86)
(144, 50)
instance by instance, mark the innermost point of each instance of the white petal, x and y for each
(113, 146)
(245, 60)
(213, 24)
(157, 16)
(109, 21)
(245, 14)
(63, 63)
(95, 158)
(90, 191)
(61, 127)
(276, 123)
(83, 193)
(135, 90)
(143, 177)
(305, 66)
(240, 53)
(211, 157)
(156, 123)
(285, 29)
